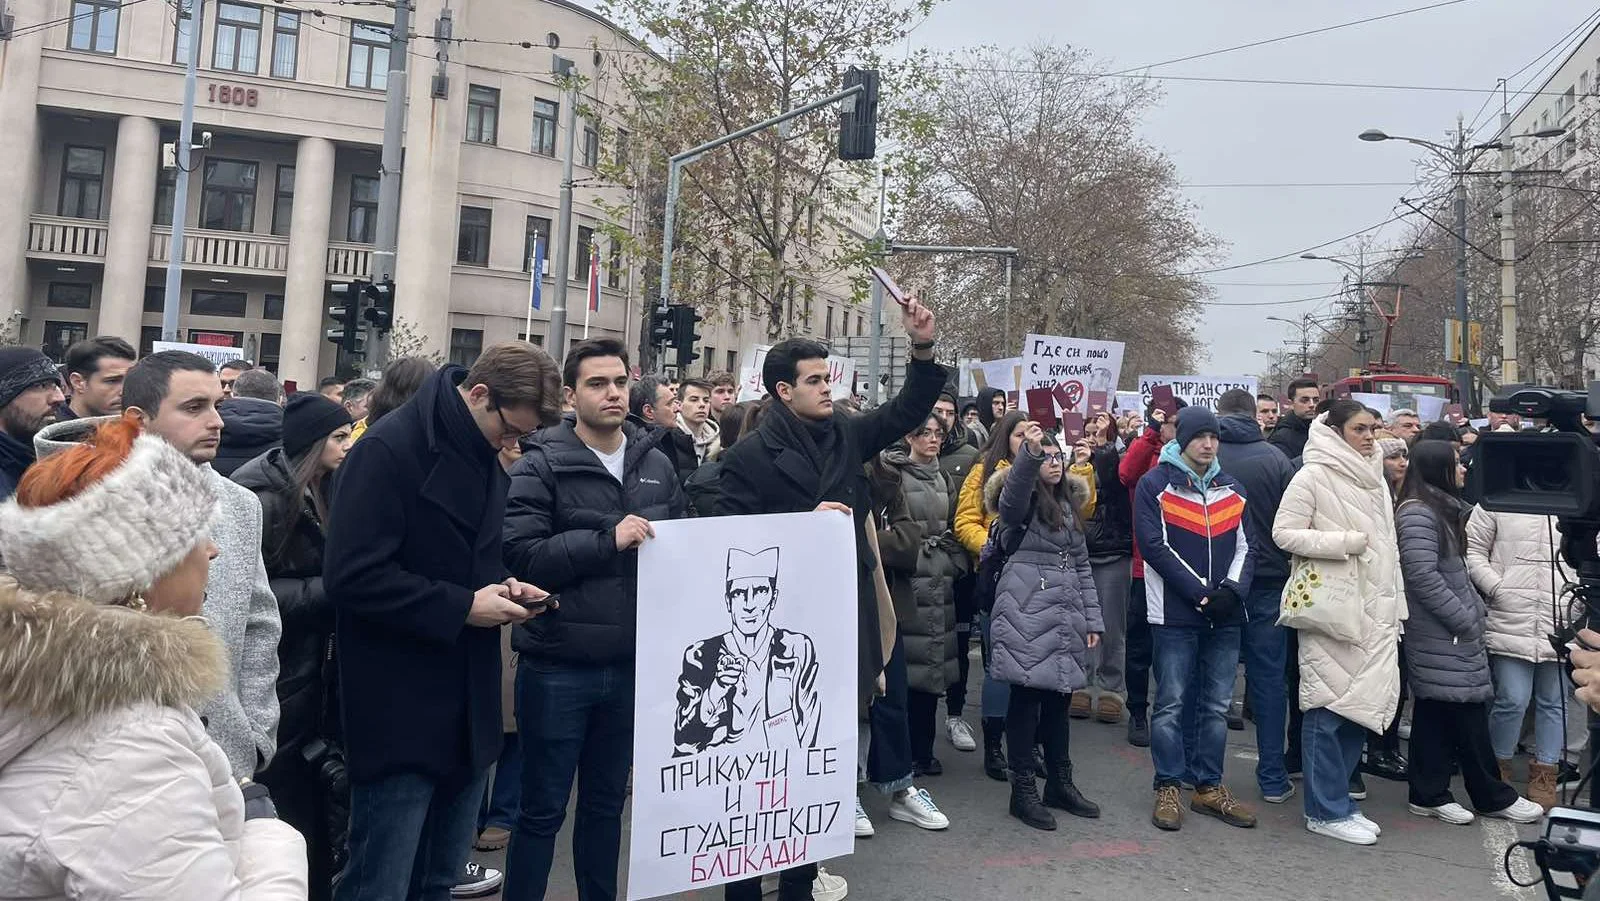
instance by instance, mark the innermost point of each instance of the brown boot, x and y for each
(1505, 770)
(1542, 784)
(1109, 710)
(1168, 814)
(1080, 706)
(1216, 801)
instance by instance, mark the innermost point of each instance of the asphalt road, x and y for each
(985, 854)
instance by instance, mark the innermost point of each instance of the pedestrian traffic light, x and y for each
(380, 312)
(660, 325)
(684, 337)
(858, 116)
(346, 315)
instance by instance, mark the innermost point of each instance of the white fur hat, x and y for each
(114, 539)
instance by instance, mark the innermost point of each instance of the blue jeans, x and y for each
(505, 788)
(996, 695)
(1178, 653)
(1515, 682)
(1265, 649)
(1330, 749)
(889, 721)
(572, 721)
(410, 835)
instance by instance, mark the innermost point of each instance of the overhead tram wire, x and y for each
(52, 23)
(1556, 52)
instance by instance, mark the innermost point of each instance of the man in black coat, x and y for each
(1294, 427)
(1264, 473)
(653, 408)
(252, 421)
(582, 500)
(414, 568)
(806, 456)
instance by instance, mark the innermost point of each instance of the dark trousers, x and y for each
(410, 835)
(1139, 649)
(794, 884)
(572, 721)
(1291, 688)
(889, 755)
(1442, 731)
(921, 714)
(1037, 714)
(955, 697)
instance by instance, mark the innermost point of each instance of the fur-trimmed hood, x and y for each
(1077, 490)
(62, 657)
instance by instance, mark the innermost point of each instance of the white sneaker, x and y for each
(1279, 799)
(1348, 829)
(1372, 827)
(1451, 813)
(829, 887)
(1523, 811)
(864, 827)
(960, 734)
(915, 806)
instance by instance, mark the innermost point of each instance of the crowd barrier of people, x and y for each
(324, 644)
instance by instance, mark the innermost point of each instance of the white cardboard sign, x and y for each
(1077, 366)
(1197, 390)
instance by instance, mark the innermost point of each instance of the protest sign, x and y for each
(744, 753)
(841, 375)
(1429, 409)
(215, 353)
(1000, 374)
(1071, 368)
(1379, 402)
(1197, 390)
(1130, 402)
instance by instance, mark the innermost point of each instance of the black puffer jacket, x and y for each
(561, 517)
(1109, 531)
(250, 428)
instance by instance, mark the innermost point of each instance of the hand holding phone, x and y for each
(893, 290)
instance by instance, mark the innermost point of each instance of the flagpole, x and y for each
(594, 289)
(534, 274)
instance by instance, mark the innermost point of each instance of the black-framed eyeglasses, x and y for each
(1055, 457)
(507, 430)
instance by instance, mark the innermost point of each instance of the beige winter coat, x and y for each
(1508, 556)
(109, 786)
(1337, 511)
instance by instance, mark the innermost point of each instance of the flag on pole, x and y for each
(536, 276)
(594, 279)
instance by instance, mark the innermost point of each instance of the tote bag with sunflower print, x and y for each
(1315, 600)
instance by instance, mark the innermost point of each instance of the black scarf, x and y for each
(820, 443)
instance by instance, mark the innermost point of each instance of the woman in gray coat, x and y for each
(1448, 663)
(1046, 619)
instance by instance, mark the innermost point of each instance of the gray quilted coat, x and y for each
(1045, 605)
(1445, 648)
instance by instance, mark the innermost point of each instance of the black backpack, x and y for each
(992, 561)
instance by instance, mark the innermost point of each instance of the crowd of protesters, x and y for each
(338, 638)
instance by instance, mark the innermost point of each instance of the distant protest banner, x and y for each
(1072, 368)
(841, 375)
(1197, 390)
(217, 354)
(1130, 402)
(1001, 374)
(745, 711)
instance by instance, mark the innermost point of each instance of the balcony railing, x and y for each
(349, 260)
(58, 237)
(223, 251)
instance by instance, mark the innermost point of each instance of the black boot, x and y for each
(994, 757)
(1039, 768)
(1059, 792)
(1025, 804)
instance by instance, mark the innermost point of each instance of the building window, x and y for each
(1583, 84)
(214, 338)
(483, 114)
(466, 345)
(363, 209)
(545, 113)
(472, 247)
(591, 147)
(624, 147)
(237, 47)
(94, 26)
(180, 43)
(585, 248)
(369, 56)
(861, 324)
(614, 265)
(216, 303)
(733, 361)
(827, 327)
(155, 299)
(228, 200)
(705, 362)
(72, 295)
(82, 175)
(283, 201)
(270, 351)
(58, 336)
(272, 307)
(285, 44)
(166, 194)
(148, 336)
(538, 230)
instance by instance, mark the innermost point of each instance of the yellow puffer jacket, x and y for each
(972, 515)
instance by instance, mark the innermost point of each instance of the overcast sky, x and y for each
(1236, 133)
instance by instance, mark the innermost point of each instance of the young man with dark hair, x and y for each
(30, 393)
(252, 420)
(175, 394)
(694, 418)
(95, 370)
(332, 387)
(724, 392)
(229, 371)
(1293, 430)
(806, 456)
(582, 500)
(419, 587)
(1266, 413)
(653, 407)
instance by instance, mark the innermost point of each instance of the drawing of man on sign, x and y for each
(755, 683)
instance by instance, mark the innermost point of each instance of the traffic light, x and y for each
(684, 337)
(858, 116)
(380, 313)
(660, 325)
(346, 315)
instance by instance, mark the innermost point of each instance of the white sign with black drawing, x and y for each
(745, 709)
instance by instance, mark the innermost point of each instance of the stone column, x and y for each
(133, 208)
(19, 148)
(305, 288)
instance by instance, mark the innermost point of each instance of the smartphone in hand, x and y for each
(889, 286)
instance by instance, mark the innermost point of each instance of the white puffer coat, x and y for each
(1337, 511)
(109, 786)
(1508, 556)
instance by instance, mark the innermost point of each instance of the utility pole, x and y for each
(390, 165)
(556, 343)
(1508, 259)
(180, 188)
(1463, 370)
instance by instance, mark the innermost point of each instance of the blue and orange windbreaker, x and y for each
(1191, 532)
